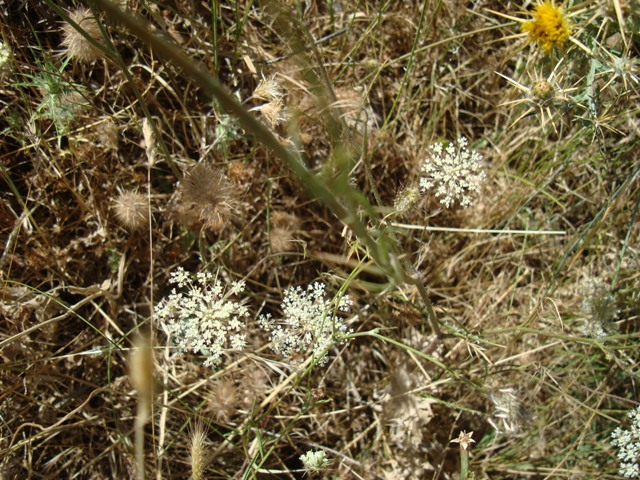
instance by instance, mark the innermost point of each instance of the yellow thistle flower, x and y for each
(550, 26)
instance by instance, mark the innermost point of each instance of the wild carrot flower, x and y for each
(628, 441)
(549, 27)
(455, 171)
(309, 322)
(203, 319)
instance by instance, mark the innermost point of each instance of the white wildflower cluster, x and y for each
(5, 55)
(314, 461)
(628, 441)
(202, 318)
(309, 322)
(455, 172)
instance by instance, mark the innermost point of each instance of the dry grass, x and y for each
(118, 167)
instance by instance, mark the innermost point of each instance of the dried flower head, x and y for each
(203, 319)
(454, 171)
(406, 199)
(106, 133)
(223, 399)
(508, 411)
(274, 112)
(77, 46)
(309, 322)
(206, 198)
(281, 235)
(465, 439)
(628, 441)
(549, 27)
(132, 210)
(268, 90)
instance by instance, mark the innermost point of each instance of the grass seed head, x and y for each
(207, 198)
(132, 210)
(197, 456)
(77, 47)
(223, 400)
(284, 226)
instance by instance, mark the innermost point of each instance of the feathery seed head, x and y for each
(132, 210)
(406, 199)
(76, 45)
(274, 112)
(223, 399)
(197, 454)
(281, 235)
(268, 90)
(207, 198)
(599, 305)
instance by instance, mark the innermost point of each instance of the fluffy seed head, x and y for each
(406, 199)
(268, 90)
(77, 47)
(132, 210)
(207, 198)
(223, 400)
(284, 225)
(274, 112)
(549, 26)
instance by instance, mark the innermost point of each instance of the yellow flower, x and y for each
(550, 26)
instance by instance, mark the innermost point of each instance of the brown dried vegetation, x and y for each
(362, 90)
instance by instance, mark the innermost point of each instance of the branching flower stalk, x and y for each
(382, 250)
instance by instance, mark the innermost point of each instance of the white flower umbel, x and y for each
(454, 172)
(628, 441)
(202, 318)
(309, 322)
(314, 462)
